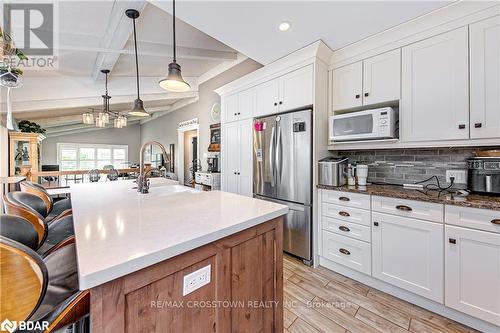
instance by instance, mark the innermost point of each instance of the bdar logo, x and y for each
(8, 326)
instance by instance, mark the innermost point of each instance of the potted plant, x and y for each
(27, 126)
(9, 75)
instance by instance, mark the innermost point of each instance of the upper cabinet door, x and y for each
(266, 98)
(347, 86)
(435, 91)
(382, 78)
(485, 78)
(296, 89)
(246, 103)
(230, 108)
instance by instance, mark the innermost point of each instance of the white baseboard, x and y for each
(425, 303)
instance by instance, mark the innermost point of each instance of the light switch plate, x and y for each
(196, 280)
(460, 176)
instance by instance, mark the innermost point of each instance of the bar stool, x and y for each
(40, 290)
(53, 209)
(20, 230)
(29, 206)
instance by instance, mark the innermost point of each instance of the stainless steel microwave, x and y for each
(364, 125)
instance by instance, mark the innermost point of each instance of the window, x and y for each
(81, 156)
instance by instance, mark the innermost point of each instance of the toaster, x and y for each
(332, 171)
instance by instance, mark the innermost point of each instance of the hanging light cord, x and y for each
(136, 60)
(175, 55)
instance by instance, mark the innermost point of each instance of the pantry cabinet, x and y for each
(287, 92)
(237, 157)
(485, 79)
(408, 253)
(472, 260)
(435, 91)
(372, 81)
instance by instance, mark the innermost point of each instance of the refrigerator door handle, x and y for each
(271, 158)
(279, 155)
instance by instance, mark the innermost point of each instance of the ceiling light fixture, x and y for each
(174, 81)
(284, 26)
(138, 109)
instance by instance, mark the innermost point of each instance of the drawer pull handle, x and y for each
(344, 251)
(452, 241)
(344, 228)
(495, 221)
(346, 214)
(344, 199)
(375, 224)
(404, 208)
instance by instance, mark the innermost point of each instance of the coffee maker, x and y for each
(484, 175)
(213, 162)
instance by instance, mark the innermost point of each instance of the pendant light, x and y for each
(88, 118)
(138, 109)
(104, 114)
(174, 81)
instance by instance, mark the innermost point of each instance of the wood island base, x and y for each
(245, 293)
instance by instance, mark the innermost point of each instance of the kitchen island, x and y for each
(136, 253)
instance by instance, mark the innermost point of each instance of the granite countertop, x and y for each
(393, 191)
(119, 231)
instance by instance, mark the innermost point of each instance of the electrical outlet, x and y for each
(460, 176)
(196, 280)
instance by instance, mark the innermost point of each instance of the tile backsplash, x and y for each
(399, 166)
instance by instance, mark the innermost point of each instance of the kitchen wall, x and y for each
(130, 135)
(399, 166)
(164, 129)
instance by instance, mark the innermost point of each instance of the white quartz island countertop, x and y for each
(119, 231)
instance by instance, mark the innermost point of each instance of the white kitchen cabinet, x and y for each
(348, 86)
(237, 157)
(246, 102)
(230, 108)
(408, 253)
(435, 91)
(472, 273)
(382, 78)
(266, 98)
(485, 79)
(296, 89)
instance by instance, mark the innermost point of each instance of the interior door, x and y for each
(264, 152)
(294, 156)
(435, 88)
(347, 86)
(485, 78)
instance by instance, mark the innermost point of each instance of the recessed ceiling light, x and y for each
(284, 26)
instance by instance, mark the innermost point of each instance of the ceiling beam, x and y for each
(67, 130)
(117, 34)
(177, 105)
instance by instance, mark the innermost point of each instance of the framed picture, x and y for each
(214, 137)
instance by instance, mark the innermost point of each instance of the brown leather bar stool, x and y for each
(19, 230)
(28, 206)
(40, 290)
(52, 209)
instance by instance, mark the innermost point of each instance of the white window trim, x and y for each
(61, 145)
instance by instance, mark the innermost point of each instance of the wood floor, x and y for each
(318, 300)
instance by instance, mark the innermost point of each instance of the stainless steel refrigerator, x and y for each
(282, 167)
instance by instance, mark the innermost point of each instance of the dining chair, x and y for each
(41, 290)
(30, 207)
(94, 175)
(53, 209)
(112, 175)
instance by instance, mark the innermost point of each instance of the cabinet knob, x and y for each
(367, 94)
(238, 173)
(358, 96)
(281, 102)
(239, 113)
(461, 126)
(235, 114)
(495, 221)
(344, 199)
(275, 103)
(478, 125)
(344, 251)
(346, 214)
(235, 172)
(404, 208)
(375, 224)
(452, 240)
(344, 228)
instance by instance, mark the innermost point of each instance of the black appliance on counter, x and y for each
(484, 175)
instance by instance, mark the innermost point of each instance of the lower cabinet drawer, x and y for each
(348, 229)
(349, 252)
(482, 219)
(348, 214)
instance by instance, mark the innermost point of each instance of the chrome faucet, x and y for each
(142, 180)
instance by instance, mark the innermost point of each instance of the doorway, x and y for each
(190, 156)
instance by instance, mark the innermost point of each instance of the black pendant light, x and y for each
(174, 81)
(138, 109)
